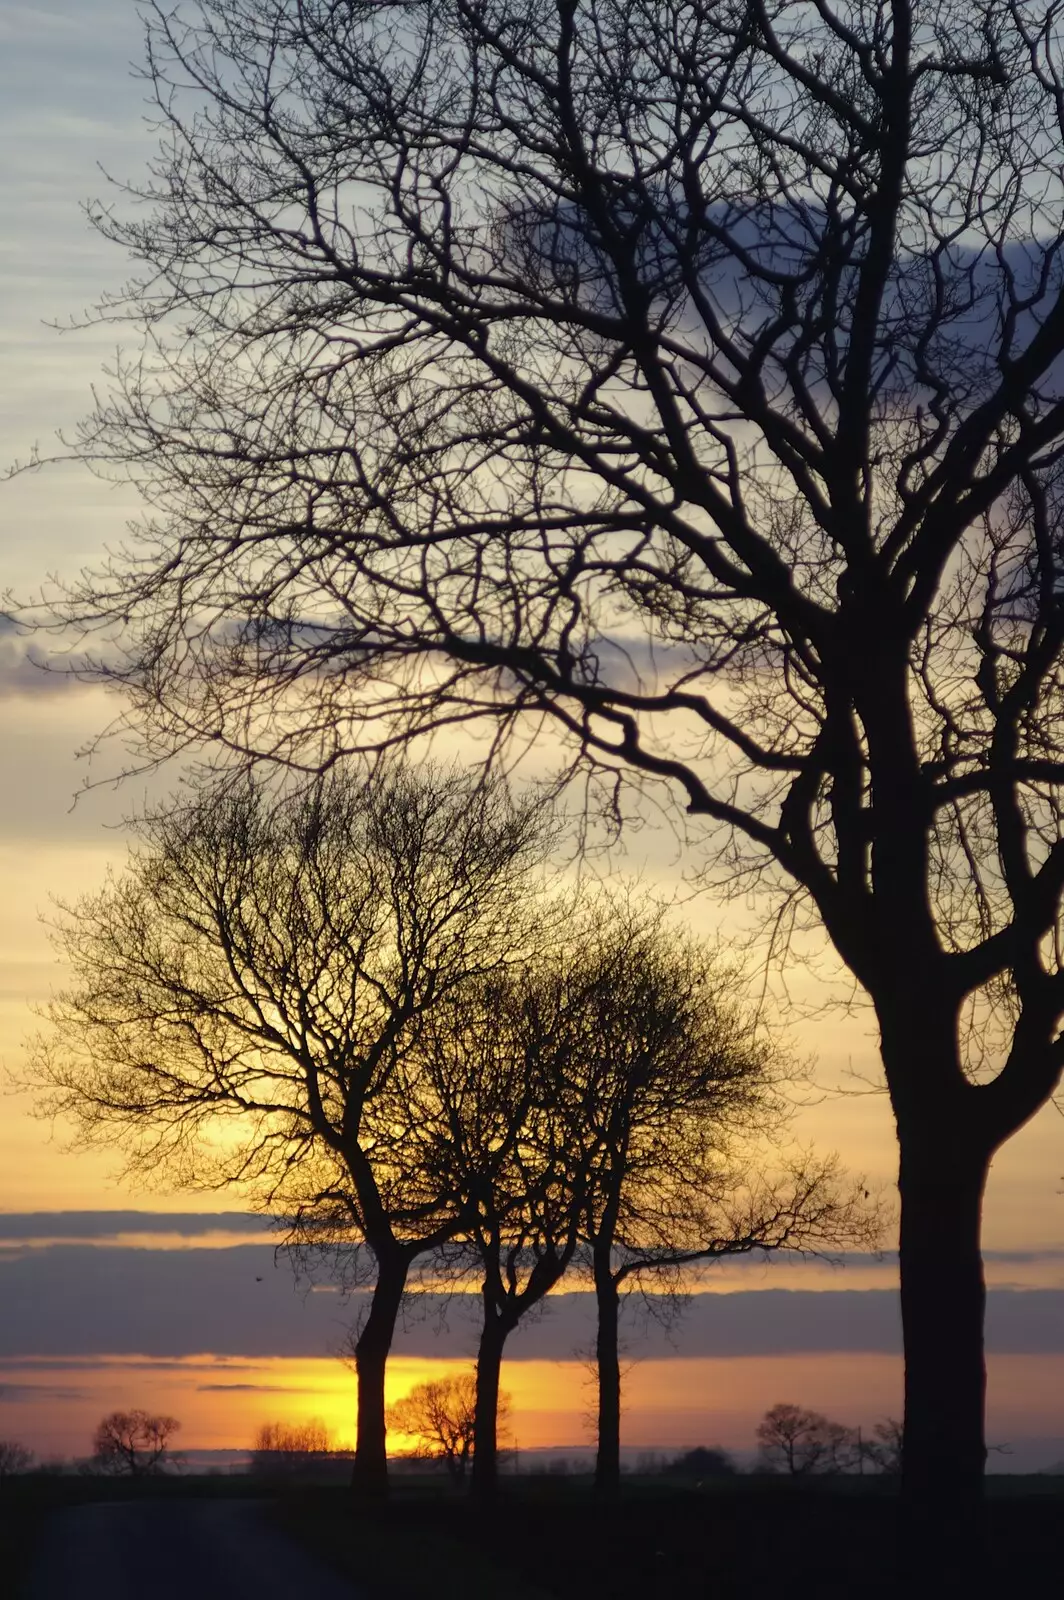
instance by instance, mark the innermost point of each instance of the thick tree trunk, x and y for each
(370, 1477)
(607, 1356)
(943, 1300)
(485, 1478)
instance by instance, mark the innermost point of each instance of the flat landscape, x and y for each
(546, 1538)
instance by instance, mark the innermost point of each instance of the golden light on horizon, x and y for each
(671, 1403)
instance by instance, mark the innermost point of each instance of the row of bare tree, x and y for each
(133, 1444)
(441, 1416)
(363, 1000)
(802, 1443)
(689, 378)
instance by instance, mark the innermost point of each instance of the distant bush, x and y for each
(14, 1458)
(291, 1449)
(704, 1461)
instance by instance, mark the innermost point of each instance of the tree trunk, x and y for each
(370, 1477)
(486, 1416)
(607, 1356)
(943, 1300)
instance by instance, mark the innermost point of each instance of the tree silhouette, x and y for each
(14, 1458)
(133, 1444)
(600, 1107)
(244, 994)
(670, 1084)
(800, 1442)
(689, 375)
(704, 1461)
(288, 1449)
(489, 1125)
(883, 1450)
(440, 1414)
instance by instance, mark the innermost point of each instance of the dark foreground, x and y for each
(166, 1549)
(546, 1540)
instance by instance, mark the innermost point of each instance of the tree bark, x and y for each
(370, 1476)
(485, 1478)
(607, 1355)
(943, 1301)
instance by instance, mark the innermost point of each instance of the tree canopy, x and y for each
(244, 996)
(134, 1444)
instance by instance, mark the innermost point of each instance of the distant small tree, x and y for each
(286, 1449)
(800, 1442)
(440, 1415)
(134, 1444)
(14, 1458)
(703, 1461)
(883, 1449)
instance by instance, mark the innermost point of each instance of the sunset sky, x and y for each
(102, 1305)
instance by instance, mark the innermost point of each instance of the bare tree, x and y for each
(800, 1442)
(804, 1204)
(591, 1104)
(133, 1444)
(14, 1458)
(669, 1085)
(258, 972)
(488, 1121)
(884, 1449)
(690, 375)
(441, 1416)
(290, 1449)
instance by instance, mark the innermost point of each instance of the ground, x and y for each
(546, 1539)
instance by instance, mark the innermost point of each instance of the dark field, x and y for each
(548, 1538)
(755, 1539)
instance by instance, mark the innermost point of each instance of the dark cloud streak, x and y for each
(25, 1225)
(33, 1393)
(84, 1301)
(248, 1388)
(27, 670)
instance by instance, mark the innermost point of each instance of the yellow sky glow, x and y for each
(668, 1404)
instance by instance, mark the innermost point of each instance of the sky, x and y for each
(112, 1296)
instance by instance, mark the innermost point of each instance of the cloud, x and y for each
(16, 1393)
(52, 1225)
(248, 1388)
(24, 667)
(31, 670)
(83, 1301)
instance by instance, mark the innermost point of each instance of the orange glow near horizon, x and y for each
(675, 1403)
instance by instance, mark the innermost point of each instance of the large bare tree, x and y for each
(687, 372)
(244, 994)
